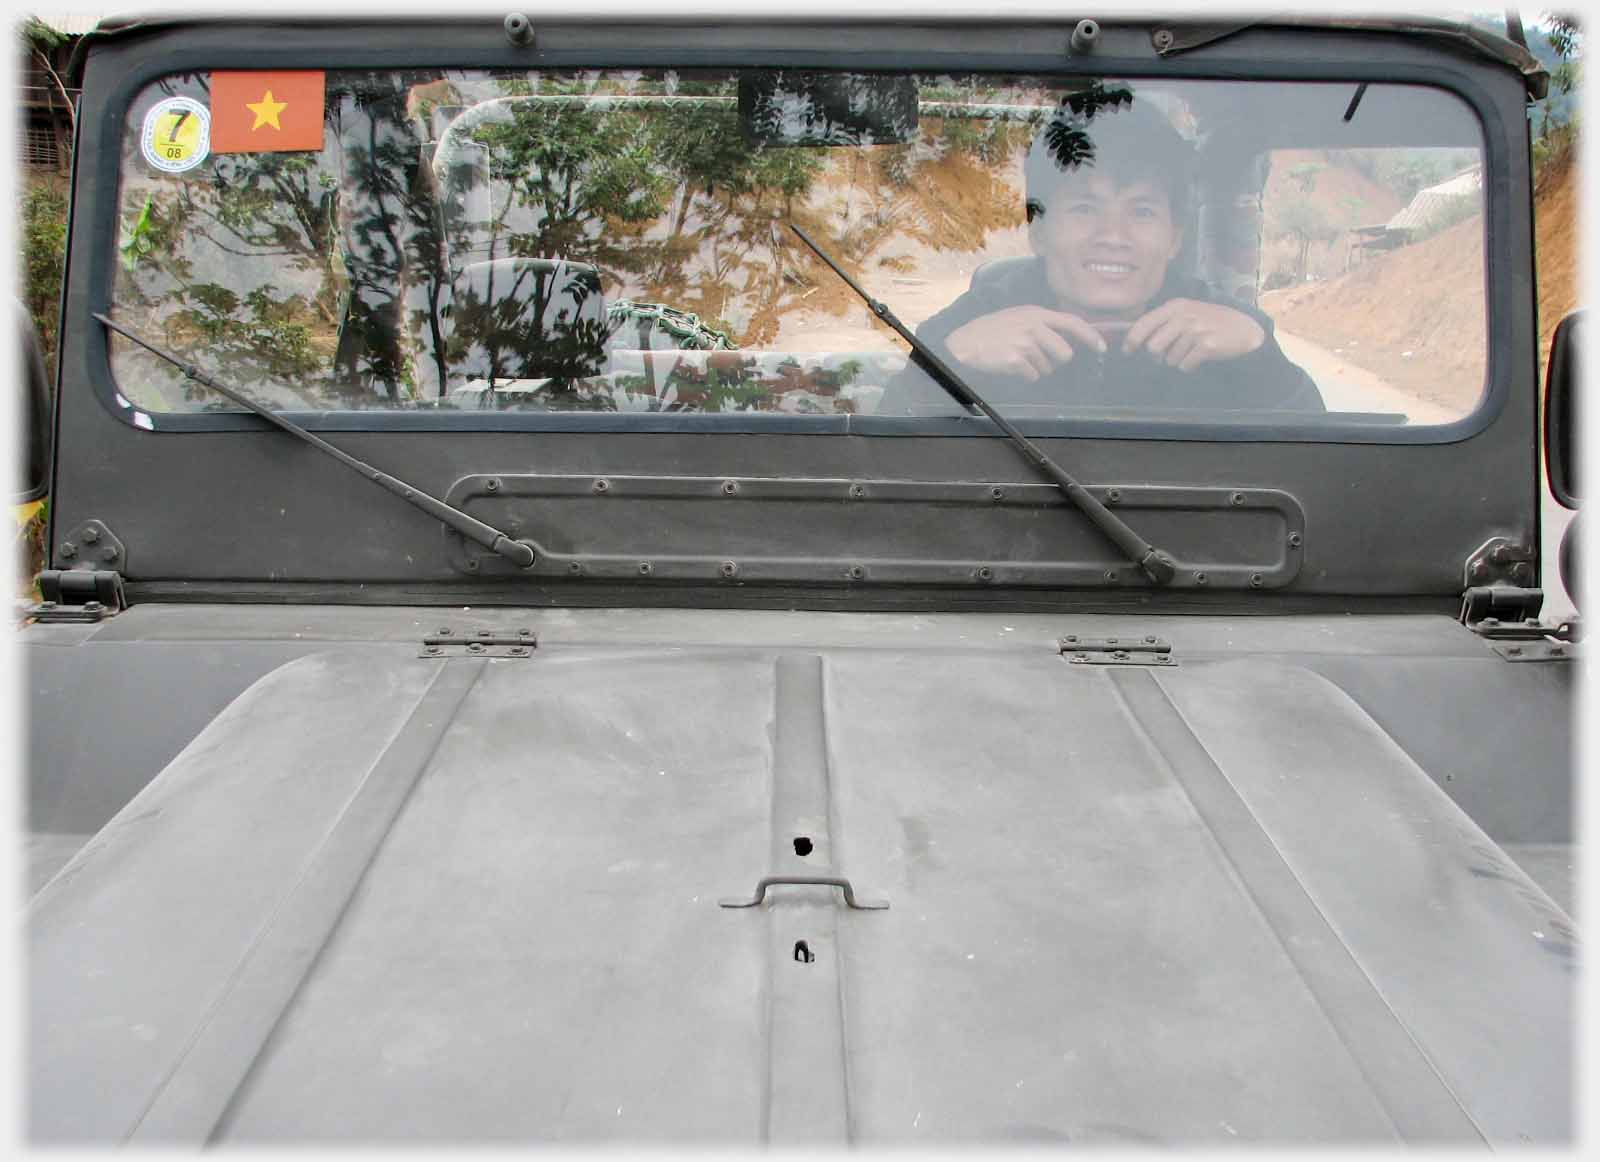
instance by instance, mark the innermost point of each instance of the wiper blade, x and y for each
(517, 552)
(1157, 565)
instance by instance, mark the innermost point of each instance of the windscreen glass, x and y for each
(621, 242)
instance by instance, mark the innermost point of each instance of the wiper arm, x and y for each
(517, 552)
(1158, 566)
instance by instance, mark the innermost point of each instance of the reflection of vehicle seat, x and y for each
(526, 318)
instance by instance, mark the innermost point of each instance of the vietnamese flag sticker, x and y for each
(259, 112)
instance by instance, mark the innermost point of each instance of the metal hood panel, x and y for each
(479, 900)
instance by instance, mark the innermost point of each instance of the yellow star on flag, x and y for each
(266, 111)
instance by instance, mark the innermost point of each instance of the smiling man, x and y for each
(1098, 316)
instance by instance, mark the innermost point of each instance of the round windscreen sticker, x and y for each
(177, 134)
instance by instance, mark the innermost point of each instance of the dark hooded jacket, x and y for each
(1263, 379)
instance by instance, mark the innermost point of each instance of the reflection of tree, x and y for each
(334, 275)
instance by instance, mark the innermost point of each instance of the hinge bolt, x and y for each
(91, 535)
(1162, 39)
(69, 550)
(1514, 651)
(109, 553)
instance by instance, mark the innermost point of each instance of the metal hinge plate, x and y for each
(1541, 649)
(1137, 650)
(1507, 617)
(481, 643)
(78, 595)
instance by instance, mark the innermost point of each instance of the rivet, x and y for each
(1237, 498)
(1150, 641)
(1111, 641)
(575, 567)
(1111, 575)
(475, 647)
(729, 569)
(444, 631)
(857, 572)
(525, 632)
(985, 573)
(1294, 540)
(601, 486)
(730, 488)
(997, 494)
(1072, 637)
(1256, 581)
(645, 569)
(492, 485)
(1201, 579)
(857, 491)
(519, 651)
(472, 565)
(431, 649)
(1558, 651)
(1113, 495)
(485, 633)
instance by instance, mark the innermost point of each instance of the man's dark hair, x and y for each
(1104, 128)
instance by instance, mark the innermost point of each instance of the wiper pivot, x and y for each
(1157, 565)
(518, 553)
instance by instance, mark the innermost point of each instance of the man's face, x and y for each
(1105, 245)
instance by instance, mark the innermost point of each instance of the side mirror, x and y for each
(1562, 419)
(32, 412)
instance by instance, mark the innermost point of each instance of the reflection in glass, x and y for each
(618, 241)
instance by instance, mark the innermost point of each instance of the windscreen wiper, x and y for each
(1158, 566)
(517, 552)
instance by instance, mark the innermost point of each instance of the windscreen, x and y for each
(621, 242)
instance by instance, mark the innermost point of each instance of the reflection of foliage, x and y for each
(576, 166)
(341, 274)
(257, 330)
(137, 239)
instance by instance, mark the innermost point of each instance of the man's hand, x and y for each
(1184, 333)
(1028, 342)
